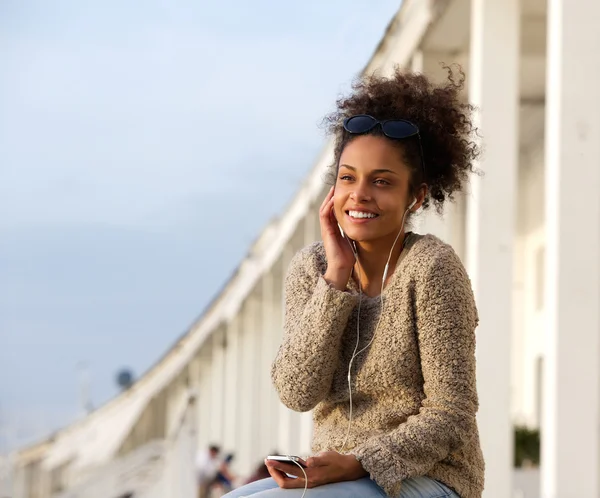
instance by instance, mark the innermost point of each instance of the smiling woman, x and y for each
(379, 322)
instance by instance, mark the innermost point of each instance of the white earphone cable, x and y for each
(305, 477)
(356, 353)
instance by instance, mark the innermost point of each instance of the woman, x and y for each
(380, 322)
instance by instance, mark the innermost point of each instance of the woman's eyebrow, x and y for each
(375, 171)
(384, 171)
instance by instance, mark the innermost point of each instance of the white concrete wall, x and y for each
(528, 298)
(491, 210)
(571, 411)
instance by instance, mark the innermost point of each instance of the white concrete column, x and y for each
(449, 227)
(571, 406)
(428, 63)
(493, 88)
(217, 386)
(204, 399)
(232, 380)
(249, 409)
(456, 222)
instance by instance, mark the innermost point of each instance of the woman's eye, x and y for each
(345, 177)
(381, 181)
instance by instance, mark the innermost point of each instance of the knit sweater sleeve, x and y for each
(315, 318)
(446, 318)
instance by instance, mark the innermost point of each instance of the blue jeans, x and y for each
(418, 487)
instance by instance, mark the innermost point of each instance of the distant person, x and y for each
(207, 468)
(379, 332)
(224, 478)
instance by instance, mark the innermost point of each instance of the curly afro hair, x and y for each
(448, 135)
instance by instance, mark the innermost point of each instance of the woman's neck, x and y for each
(372, 258)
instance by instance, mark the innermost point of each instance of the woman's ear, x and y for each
(419, 199)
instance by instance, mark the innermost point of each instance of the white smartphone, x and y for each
(288, 459)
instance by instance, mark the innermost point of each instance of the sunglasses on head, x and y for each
(396, 129)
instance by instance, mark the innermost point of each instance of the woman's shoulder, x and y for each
(310, 259)
(438, 271)
(429, 252)
(425, 250)
(313, 250)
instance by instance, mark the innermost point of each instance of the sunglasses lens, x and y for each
(399, 129)
(359, 124)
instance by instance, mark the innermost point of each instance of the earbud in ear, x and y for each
(412, 204)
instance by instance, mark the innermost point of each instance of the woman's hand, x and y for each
(325, 468)
(340, 257)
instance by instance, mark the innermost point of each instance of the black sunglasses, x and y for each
(396, 129)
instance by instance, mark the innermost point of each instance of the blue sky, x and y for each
(143, 145)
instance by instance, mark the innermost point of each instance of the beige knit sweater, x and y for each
(414, 392)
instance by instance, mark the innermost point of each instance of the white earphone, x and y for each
(412, 204)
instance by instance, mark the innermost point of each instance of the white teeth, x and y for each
(361, 214)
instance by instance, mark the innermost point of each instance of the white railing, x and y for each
(158, 469)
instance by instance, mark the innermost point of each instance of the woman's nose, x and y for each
(361, 193)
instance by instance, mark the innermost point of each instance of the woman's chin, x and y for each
(360, 235)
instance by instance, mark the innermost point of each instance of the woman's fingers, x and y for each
(280, 479)
(326, 210)
(286, 468)
(278, 472)
(342, 240)
(277, 476)
(338, 251)
(333, 220)
(329, 225)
